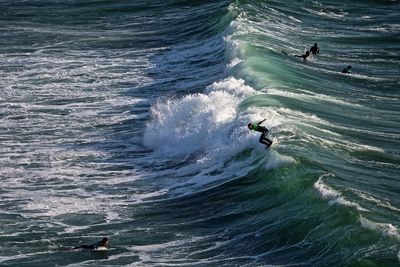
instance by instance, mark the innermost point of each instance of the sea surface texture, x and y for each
(128, 119)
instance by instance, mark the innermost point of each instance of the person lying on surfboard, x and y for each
(101, 244)
(264, 132)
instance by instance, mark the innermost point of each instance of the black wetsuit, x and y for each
(93, 246)
(346, 70)
(314, 50)
(264, 132)
(305, 56)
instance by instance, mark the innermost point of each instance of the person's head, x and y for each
(104, 241)
(250, 126)
(349, 67)
(315, 44)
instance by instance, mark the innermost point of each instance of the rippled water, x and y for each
(127, 119)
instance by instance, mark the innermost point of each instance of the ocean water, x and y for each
(127, 119)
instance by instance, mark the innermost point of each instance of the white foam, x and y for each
(276, 160)
(386, 229)
(73, 229)
(311, 96)
(328, 13)
(235, 61)
(298, 116)
(148, 253)
(380, 203)
(232, 45)
(333, 196)
(196, 122)
(51, 206)
(140, 198)
(101, 249)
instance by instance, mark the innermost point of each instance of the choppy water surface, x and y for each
(127, 119)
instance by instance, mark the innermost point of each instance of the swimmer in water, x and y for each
(347, 70)
(314, 49)
(305, 56)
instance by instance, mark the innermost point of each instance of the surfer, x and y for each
(305, 56)
(347, 70)
(101, 244)
(314, 49)
(264, 132)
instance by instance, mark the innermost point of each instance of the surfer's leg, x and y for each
(262, 137)
(268, 142)
(264, 140)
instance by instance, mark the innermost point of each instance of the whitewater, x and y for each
(128, 119)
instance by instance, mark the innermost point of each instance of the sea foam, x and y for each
(333, 196)
(197, 121)
(386, 229)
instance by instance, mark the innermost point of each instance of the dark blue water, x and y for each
(127, 119)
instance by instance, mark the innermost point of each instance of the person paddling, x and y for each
(264, 132)
(305, 56)
(101, 244)
(347, 70)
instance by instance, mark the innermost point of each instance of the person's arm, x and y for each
(261, 121)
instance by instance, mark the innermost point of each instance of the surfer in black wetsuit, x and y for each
(305, 56)
(264, 132)
(347, 70)
(314, 49)
(101, 244)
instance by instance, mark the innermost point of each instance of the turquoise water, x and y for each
(127, 119)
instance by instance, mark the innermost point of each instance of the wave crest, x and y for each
(198, 121)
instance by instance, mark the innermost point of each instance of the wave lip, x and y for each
(333, 196)
(386, 229)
